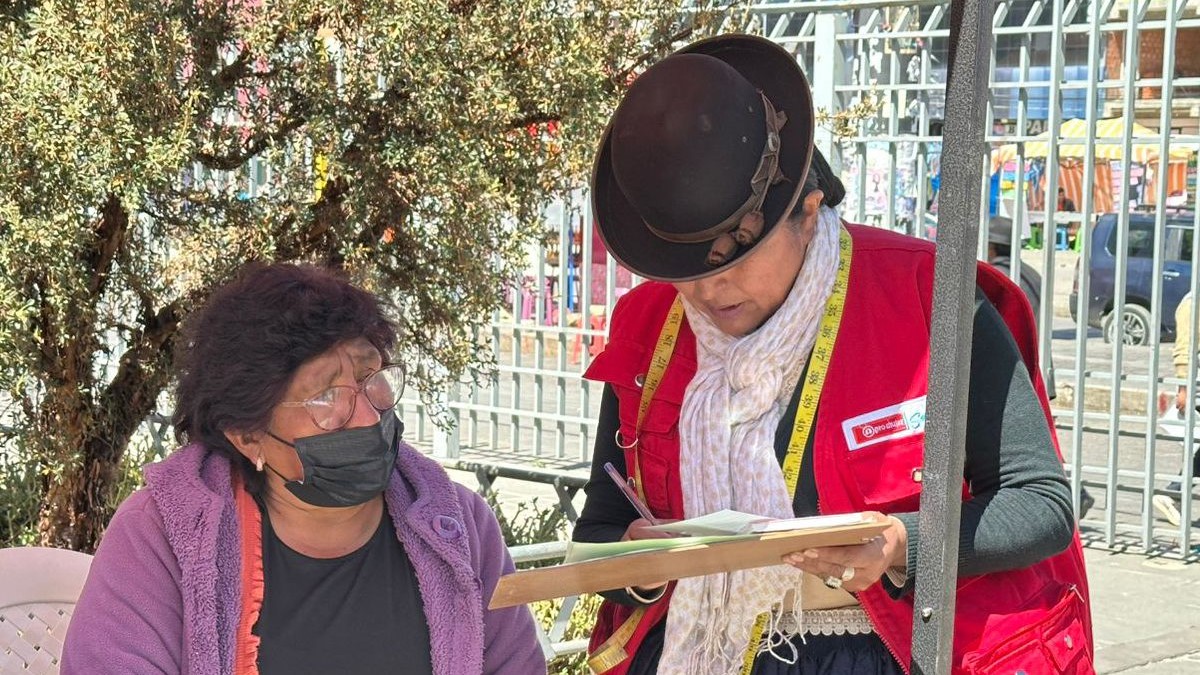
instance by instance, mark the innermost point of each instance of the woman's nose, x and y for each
(706, 289)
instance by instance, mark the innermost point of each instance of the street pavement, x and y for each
(1146, 613)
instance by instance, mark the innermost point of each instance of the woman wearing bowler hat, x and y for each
(778, 365)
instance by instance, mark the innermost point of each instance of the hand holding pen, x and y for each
(627, 489)
(637, 529)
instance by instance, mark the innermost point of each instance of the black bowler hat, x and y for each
(706, 153)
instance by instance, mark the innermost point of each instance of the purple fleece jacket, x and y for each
(164, 592)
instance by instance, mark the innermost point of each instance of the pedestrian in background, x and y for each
(1185, 325)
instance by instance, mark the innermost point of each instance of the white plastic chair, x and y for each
(38, 590)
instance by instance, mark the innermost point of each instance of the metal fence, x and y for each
(1113, 85)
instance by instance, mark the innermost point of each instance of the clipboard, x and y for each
(650, 567)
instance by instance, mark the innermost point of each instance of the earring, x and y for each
(258, 463)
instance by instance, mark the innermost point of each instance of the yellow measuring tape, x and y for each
(663, 349)
(612, 652)
(806, 411)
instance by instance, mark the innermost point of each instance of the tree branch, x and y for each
(144, 299)
(132, 394)
(35, 285)
(463, 8)
(15, 10)
(110, 235)
(252, 148)
(230, 74)
(534, 118)
(133, 389)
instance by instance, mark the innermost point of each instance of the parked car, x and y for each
(1140, 271)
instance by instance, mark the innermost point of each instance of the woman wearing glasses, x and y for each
(295, 532)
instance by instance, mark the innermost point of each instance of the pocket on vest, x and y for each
(1052, 640)
(660, 430)
(888, 475)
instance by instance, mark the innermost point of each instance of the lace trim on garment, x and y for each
(841, 621)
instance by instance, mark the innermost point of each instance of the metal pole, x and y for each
(893, 114)
(1166, 98)
(1135, 11)
(1045, 319)
(585, 223)
(829, 71)
(1097, 15)
(950, 335)
(1020, 210)
(1189, 435)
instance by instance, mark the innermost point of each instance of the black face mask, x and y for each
(347, 467)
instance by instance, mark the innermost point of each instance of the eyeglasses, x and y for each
(332, 409)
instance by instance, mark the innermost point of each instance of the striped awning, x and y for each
(1071, 140)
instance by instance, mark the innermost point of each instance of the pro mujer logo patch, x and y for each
(893, 422)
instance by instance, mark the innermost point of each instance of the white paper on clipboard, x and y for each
(728, 521)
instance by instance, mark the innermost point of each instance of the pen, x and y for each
(623, 485)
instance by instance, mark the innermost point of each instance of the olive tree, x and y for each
(150, 147)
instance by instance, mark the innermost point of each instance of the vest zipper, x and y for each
(862, 600)
(867, 606)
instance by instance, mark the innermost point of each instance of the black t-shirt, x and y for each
(360, 613)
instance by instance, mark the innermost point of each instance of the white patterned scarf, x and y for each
(727, 460)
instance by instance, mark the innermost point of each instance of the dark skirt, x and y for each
(833, 655)
(819, 655)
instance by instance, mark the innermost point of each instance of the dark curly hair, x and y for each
(240, 350)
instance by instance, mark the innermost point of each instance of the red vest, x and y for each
(1035, 619)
